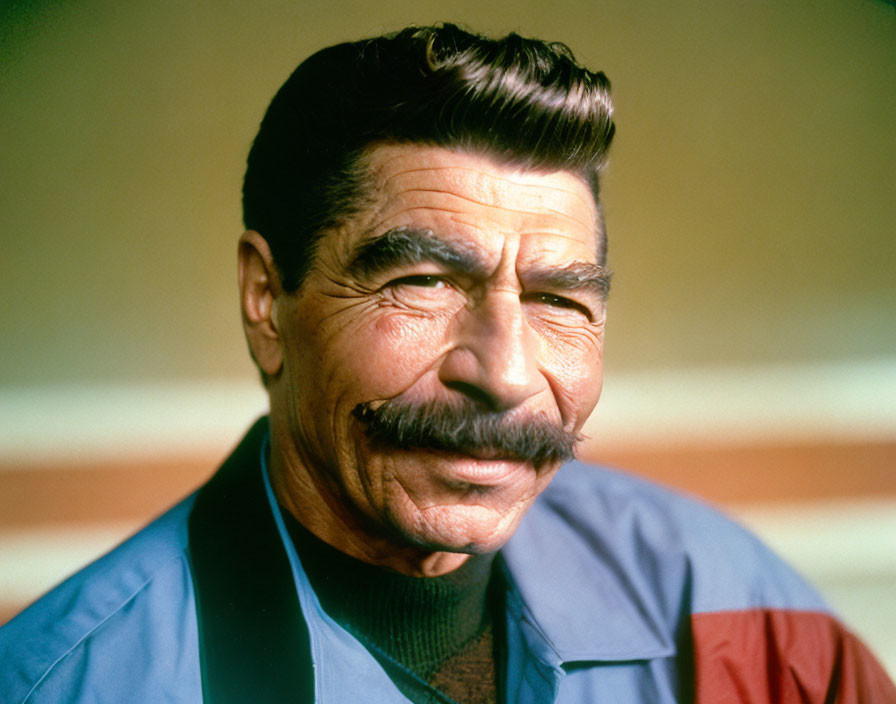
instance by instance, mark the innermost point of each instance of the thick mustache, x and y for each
(467, 429)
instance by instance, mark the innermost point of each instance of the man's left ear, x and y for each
(259, 289)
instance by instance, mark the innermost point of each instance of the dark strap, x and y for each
(253, 638)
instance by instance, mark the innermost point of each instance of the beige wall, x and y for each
(751, 198)
(751, 203)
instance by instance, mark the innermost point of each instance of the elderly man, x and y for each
(423, 285)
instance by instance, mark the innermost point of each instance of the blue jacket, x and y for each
(619, 591)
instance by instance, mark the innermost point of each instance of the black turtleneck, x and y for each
(439, 638)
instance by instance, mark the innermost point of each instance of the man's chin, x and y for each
(444, 501)
(459, 529)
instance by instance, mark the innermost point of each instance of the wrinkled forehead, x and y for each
(397, 167)
(458, 191)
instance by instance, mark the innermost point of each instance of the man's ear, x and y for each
(259, 289)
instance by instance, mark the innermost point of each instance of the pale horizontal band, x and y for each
(799, 403)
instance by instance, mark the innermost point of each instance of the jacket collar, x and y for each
(582, 571)
(253, 638)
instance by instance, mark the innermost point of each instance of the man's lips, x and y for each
(485, 468)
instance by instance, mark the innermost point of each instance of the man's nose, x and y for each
(494, 359)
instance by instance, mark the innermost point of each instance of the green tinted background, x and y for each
(750, 199)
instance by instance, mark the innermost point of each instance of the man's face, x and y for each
(464, 283)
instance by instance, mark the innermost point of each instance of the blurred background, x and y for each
(751, 203)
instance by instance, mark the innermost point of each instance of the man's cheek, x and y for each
(399, 347)
(577, 387)
(397, 330)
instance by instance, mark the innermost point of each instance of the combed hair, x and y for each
(521, 101)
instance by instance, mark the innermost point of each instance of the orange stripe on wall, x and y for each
(7, 611)
(139, 489)
(756, 472)
(80, 493)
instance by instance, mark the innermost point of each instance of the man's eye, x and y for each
(549, 299)
(423, 292)
(421, 280)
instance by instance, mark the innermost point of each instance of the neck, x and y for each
(419, 622)
(445, 630)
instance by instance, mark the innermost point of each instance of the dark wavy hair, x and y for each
(521, 101)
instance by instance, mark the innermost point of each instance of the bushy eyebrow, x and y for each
(575, 276)
(402, 246)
